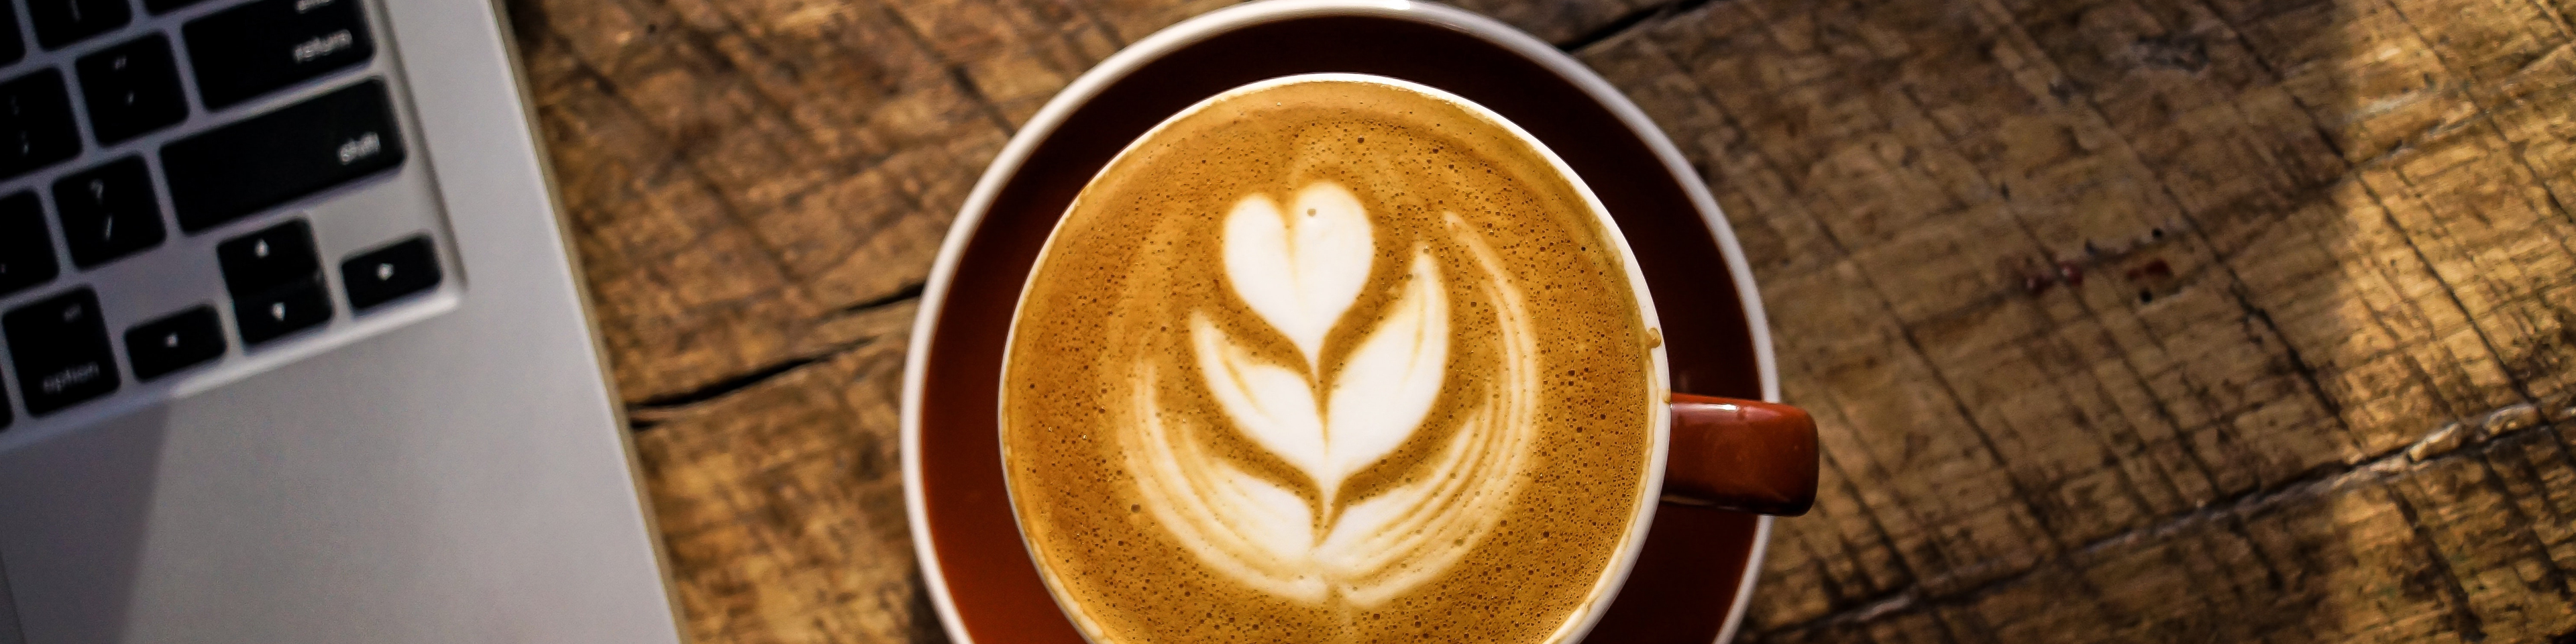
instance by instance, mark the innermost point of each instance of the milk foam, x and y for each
(1297, 273)
(1303, 268)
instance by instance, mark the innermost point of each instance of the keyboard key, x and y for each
(35, 123)
(108, 212)
(280, 255)
(59, 346)
(277, 312)
(302, 149)
(131, 89)
(63, 22)
(166, 6)
(276, 281)
(261, 47)
(185, 339)
(11, 49)
(382, 275)
(26, 252)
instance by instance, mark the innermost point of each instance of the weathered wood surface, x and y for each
(2163, 320)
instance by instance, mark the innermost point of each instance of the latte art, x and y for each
(1329, 359)
(1301, 274)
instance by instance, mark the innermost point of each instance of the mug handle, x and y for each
(1742, 455)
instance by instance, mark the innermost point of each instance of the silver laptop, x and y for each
(291, 342)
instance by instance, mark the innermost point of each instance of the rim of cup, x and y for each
(1633, 539)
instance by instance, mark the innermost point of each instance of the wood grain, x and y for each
(2165, 320)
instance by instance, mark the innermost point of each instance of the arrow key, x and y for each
(185, 339)
(389, 273)
(276, 312)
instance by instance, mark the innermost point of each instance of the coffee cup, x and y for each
(1689, 455)
(1345, 357)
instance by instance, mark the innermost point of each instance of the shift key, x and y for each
(238, 169)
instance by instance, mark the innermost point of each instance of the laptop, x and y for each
(292, 345)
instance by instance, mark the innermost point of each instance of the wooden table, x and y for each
(2164, 320)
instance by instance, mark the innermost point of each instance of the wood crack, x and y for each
(1627, 21)
(2383, 467)
(748, 379)
(899, 296)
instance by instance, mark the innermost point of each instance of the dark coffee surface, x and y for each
(1516, 486)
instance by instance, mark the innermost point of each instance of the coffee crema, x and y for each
(1329, 358)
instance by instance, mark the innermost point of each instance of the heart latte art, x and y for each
(1329, 358)
(1300, 274)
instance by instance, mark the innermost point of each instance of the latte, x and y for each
(1330, 358)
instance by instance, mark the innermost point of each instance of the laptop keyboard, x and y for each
(186, 185)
